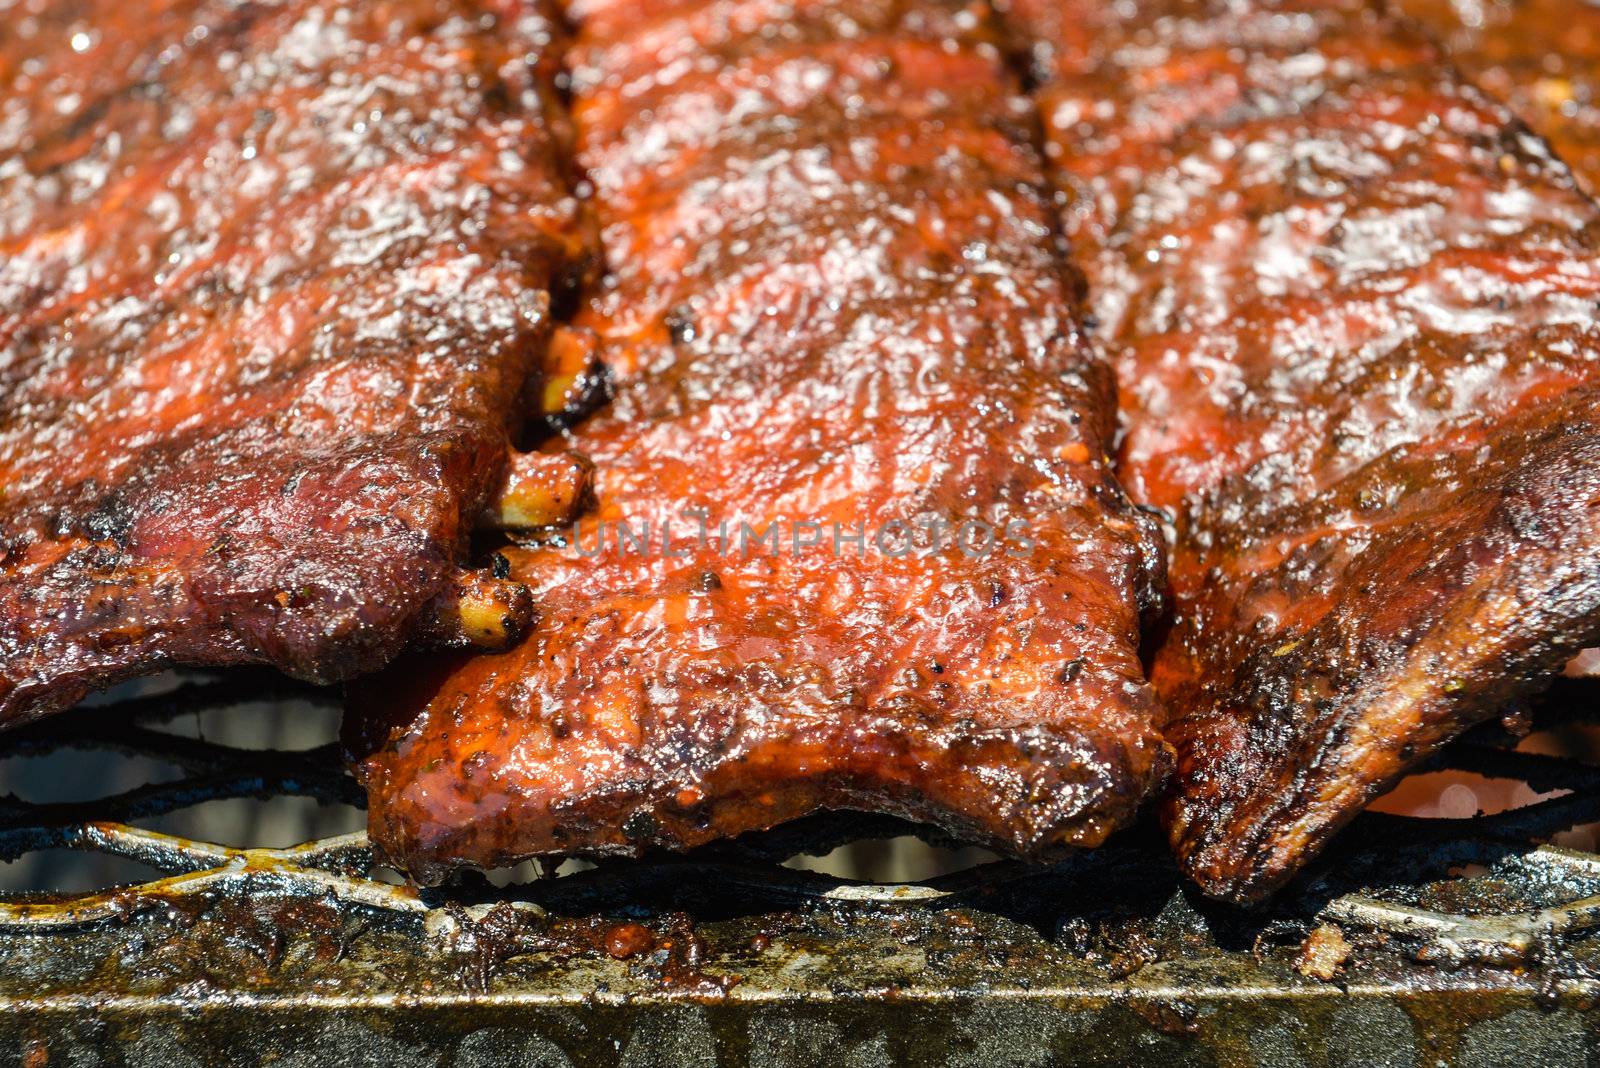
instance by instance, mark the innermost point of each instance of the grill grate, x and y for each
(1471, 930)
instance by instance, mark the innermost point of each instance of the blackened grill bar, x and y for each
(1353, 308)
(1106, 959)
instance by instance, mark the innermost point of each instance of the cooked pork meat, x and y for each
(1540, 56)
(1354, 309)
(274, 279)
(837, 310)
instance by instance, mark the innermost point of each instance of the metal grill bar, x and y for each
(677, 958)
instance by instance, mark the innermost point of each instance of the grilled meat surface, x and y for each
(836, 297)
(1353, 305)
(1540, 56)
(273, 280)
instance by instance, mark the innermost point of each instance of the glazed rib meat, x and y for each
(836, 298)
(1354, 309)
(273, 280)
(1542, 57)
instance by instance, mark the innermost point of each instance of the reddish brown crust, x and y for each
(1542, 57)
(835, 296)
(273, 278)
(1354, 309)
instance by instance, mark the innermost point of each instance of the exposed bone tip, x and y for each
(574, 376)
(478, 611)
(540, 490)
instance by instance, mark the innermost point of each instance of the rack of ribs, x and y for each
(274, 280)
(1542, 57)
(835, 296)
(1353, 306)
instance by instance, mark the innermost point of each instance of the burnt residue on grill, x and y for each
(722, 957)
(1106, 959)
(1044, 968)
(664, 949)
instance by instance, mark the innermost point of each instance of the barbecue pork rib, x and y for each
(1540, 56)
(836, 297)
(273, 281)
(1353, 305)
